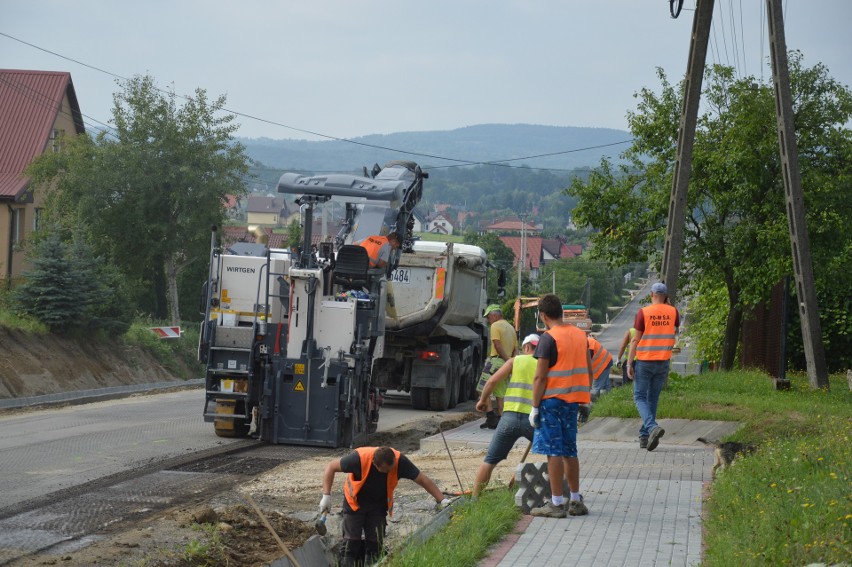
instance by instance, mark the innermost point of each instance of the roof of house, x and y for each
(262, 204)
(533, 248)
(512, 226)
(442, 217)
(231, 201)
(29, 104)
(552, 246)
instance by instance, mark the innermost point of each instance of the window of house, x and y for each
(17, 219)
(56, 139)
(37, 218)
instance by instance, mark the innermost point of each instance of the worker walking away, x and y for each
(504, 345)
(656, 327)
(372, 474)
(379, 248)
(601, 365)
(563, 381)
(514, 423)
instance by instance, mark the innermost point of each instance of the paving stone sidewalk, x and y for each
(644, 507)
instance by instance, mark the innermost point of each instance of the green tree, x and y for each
(149, 190)
(736, 226)
(60, 289)
(294, 233)
(581, 280)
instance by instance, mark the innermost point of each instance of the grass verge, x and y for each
(464, 541)
(788, 503)
(179, 356)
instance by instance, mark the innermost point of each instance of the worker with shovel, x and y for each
(372, 474)
(519, 372)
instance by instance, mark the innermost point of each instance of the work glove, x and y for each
(535, 419)
(325, 504)
(583, 412)
(443, 504)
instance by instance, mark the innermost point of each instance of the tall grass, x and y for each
(179, 355)
(790, 502)
(11, 320)
(464, 541)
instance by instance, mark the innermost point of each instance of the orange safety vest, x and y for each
(600, 357)
(568, 379)
(658, 338)
(373, 244)
(352, 487)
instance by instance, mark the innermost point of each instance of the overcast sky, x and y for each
(348, 68)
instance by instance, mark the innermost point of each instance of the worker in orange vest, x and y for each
(601, 365)
(563, 381)
(656, 327)
(372, 474)
(379, 248)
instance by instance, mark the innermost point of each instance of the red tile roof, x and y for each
(29, 104)
(512, 226)
(575, 249)
(231, 201)
(533, 246)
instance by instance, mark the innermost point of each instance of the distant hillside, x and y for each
(485, 142)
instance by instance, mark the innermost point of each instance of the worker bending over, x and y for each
(372, 474)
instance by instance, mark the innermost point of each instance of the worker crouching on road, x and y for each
(372, 474)
(515, 421)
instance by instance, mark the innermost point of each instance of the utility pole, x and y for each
(522, 256)
(795, 200)
(673, 250)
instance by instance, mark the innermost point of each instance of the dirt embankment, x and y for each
(37, 365)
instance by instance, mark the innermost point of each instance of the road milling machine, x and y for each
(289, 335)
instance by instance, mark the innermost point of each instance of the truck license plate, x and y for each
(401, 275)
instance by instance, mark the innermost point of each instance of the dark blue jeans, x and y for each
(649, 377)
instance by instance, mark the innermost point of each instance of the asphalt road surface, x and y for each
(47, 450)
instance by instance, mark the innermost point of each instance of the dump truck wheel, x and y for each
(455, 378)
(420, 398)
(439, 399)
(476, 370)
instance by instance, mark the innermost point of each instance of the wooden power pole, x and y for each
(686, 137)
(794, 195)
(794, 198)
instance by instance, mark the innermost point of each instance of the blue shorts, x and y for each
(557, 436)
(513, 425)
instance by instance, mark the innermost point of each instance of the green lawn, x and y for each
(440, 237)
(789, 503)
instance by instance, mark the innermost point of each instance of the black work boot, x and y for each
(491, 420)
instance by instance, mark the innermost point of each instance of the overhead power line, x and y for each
(458, 161)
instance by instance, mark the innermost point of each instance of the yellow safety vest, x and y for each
(519, 391)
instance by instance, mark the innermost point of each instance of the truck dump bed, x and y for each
(437, 289)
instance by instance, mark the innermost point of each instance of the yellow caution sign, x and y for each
(299, 387)
(300, 369)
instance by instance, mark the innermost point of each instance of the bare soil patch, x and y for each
(38, 365)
